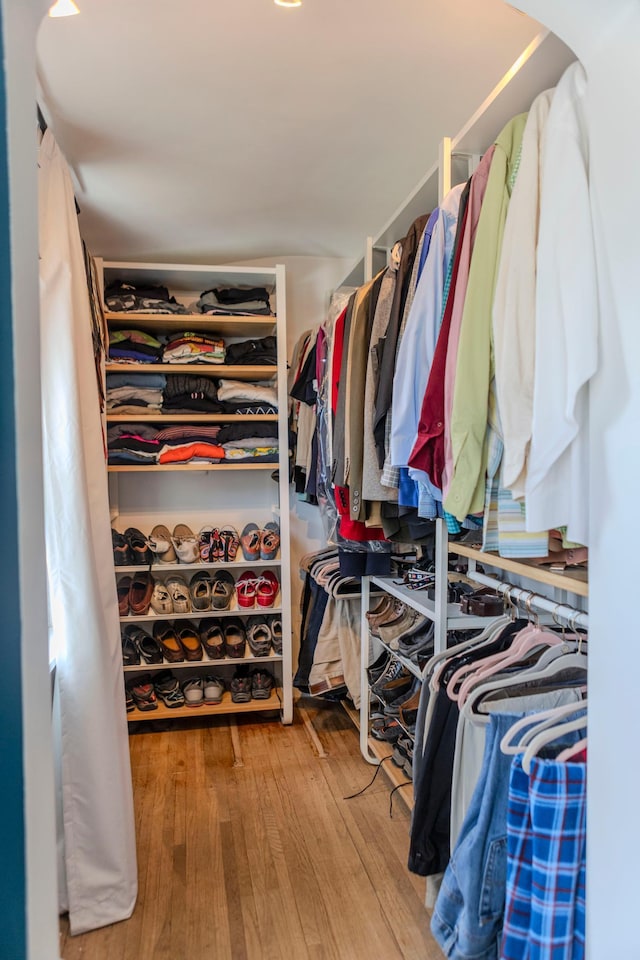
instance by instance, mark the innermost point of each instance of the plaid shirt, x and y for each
(546, 845)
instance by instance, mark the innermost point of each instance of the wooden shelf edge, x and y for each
(204, 614)
(200, 467)
(219, 370)
(196, 418)
(172, 567)
(211, 665)
(128, 317)
(206, 710)
(571, 582)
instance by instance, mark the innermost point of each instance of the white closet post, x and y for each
(441, 587)
(285, 547)
(368, 260)
(444, 168)
(365, 697)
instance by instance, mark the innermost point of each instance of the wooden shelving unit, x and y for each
(218, 370)
(575, 580)
(206, 709)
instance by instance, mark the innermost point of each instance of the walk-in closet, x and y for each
(319, 423)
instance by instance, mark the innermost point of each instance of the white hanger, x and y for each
(570, 752)
(486, 637)
(537, 722)
(548, 736)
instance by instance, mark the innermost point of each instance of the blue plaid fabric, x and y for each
(546, 862)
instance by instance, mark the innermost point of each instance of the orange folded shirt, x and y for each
(191, 451)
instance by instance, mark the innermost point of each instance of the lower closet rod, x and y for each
(575, 618)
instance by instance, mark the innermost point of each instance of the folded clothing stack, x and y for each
(227, 301)
(263, 351)
(187, 443)
(132, 443)
(184, 393)
(262, 445)
(134, 346)
(135, 392)
(190, 347)
(121, 297)
(254, 392)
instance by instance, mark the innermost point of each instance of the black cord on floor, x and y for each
(407, 783)
(371, 782)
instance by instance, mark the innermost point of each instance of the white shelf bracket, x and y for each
(444, 168)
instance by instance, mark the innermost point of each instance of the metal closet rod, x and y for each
(531, 600)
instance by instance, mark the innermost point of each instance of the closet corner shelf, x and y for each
(190, 419)
(420, 602)
(202, 467)
(576, 581)
(246, 325)
(248, 372)
(206, 710)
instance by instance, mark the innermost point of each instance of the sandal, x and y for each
(246, 586)
(148, 648)
(141, 689)
(165, 637)
(177, 587)
(168, 689)
(230, 542)
(123, 587)
(259, 639)
(212, 639)
(161, 602)
(235, 638)
(217, 546)
(268, 587)
(189, 641)
(204, 542)
(250, 542)
(270, 541)
(186, 545)
(138, 547)
(200, 590)
(140, 593)
(222, 590)
(160, 543)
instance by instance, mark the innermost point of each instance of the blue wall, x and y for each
(12, 835)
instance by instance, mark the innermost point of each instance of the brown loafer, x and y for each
(212, 639)
(189, 641)
(165, 636)
(124, 586)
(140, 594)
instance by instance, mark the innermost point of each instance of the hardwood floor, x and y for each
(264, 860)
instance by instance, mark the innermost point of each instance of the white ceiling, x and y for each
(209, 130)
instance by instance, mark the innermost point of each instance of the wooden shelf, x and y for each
(203, 614)
(211, 665)
(164, 467)
(575, 581)
(206, 710)
(244, 325)
(216, 565)
(191, 418)
(218, 370)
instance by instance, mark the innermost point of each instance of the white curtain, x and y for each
(99, 871)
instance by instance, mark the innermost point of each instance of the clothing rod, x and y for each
(526, 598)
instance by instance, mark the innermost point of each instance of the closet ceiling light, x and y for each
(63, 8)
(288, 3)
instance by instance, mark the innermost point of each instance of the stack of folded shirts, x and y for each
(250, 441)
(134, 346)
(193, 348)
(228, 301)
(132, 443)
(263, 351)
(185, 393)
(123, 297)
(134, 392)
(185, 443)
(238, 391)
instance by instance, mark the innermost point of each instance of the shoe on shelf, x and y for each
(409, 709)
(200, 590)
(147, 647)
(124, 586)
(269, 541)
(394, 687)
(392, 670)
(160, 543)
(212, 639)
(204, 544)
(130, 652)
(223, 587)
(140, 593)
(230, 543)
(189, 640)
(386, 729)
(268, 587)
(275, 624)
(409, 623)
(392, 708)
(161, 602)
(246, 588)
(419, 642)
(141, 689)
(382, 610)
(377, 668)
(121, 552)
(179, 591)
(185, 544)
(128, 699)
(168, 689)
(259, 638)
(213, 689)
(395, 613)
(262, 684)
(165, 637)
(139, 547)
(193, 690)
(235, 638)
(250, 540)
(240, 687)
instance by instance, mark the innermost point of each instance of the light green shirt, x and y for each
(474, 368)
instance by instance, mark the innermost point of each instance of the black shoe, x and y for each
(121, 551)
(148, 648)
(376, 669)
(168, 689)
(139, 549)
(130, 652)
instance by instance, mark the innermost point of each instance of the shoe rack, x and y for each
(207, 494)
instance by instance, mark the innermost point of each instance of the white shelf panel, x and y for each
(228, 326)
(203, 614)
(216, 565)
(211, 665)
(420, 602)
(191, 418)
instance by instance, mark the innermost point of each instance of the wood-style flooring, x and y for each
(247, 849)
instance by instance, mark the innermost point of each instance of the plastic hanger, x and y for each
(536, 723)
(548, 736)
(438, 662)
(570, 752)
